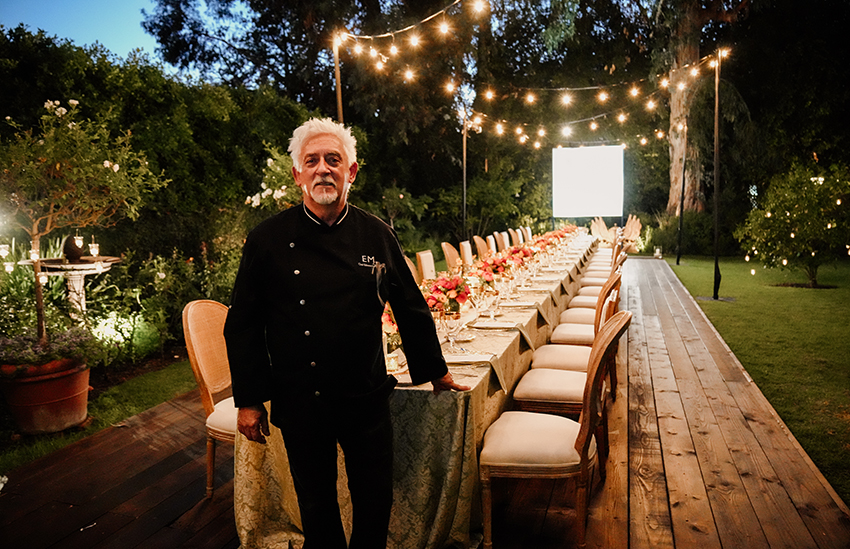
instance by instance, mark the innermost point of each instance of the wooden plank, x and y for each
(779, 520)
(823, 512)
(608, 515)
(692, 519)
(734, 518)
(649, 509)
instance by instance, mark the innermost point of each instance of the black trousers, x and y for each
(365, 436)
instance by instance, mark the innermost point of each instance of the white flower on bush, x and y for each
(107, 164)
(255, 201)
(266, 193)
(49, 105)
(278, 194)
(269, 162)
(115, 168)
(73, 102)
(160, 275)
(61, 111)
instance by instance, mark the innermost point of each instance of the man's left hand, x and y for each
(446, 383)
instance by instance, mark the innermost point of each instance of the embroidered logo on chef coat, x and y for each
(368, 261)
(378, 269)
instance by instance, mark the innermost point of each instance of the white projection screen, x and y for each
(587, 182)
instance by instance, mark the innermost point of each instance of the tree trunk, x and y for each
(41, 331)
(687, 52)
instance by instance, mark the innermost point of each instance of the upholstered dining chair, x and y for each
(575, 333)
(522, 444)
(465, 249)
(592, 281)
(203, 327)
(481, 247)
(501, 242)
(452, 256)
(591, 301)
(413, 270)
(506, 238)
(425, 262)
(526, 232)
(491, 244)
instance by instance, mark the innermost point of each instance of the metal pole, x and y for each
(682, 197)
(338, 81)
(717, 175)
(465, 126)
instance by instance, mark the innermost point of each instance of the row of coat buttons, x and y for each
(302, 302)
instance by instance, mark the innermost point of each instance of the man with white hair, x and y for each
(304, 331)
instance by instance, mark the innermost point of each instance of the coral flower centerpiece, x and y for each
(448, 293)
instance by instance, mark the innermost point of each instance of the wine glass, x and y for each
(453, 325)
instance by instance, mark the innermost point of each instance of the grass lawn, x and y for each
(795, 344)
(112, 406)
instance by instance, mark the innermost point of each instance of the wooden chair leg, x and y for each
(487, 510)
(210, 464)
(582, 492)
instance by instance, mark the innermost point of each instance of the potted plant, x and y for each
(46, 385)
(67, 173)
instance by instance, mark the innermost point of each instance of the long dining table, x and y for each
(437, 438)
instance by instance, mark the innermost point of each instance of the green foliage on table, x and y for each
(793, 342)
(803, 221)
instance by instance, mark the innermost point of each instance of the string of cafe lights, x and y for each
(381, 59)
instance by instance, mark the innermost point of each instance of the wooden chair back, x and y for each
(481, 247)
(466, 253)
(451, 255)
(414, 271)
(203, 328)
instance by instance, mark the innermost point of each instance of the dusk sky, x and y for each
(114, 24)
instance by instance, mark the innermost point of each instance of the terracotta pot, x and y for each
(48, 398)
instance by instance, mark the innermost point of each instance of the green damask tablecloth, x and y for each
(436, 443)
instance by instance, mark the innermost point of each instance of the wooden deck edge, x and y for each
(830, 490)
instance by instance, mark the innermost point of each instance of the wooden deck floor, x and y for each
(699, 459)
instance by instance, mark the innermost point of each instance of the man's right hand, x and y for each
(253, 422)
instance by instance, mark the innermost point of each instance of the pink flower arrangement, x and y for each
(486, 278)
(448, 293)
(390, 329)
(494, 265)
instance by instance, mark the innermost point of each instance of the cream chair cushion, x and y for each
(573, 334)
(578, 315)
(584, 301)
(528, 438)
(589, 291)
(223, 419)
(562, 357)
(545, 385)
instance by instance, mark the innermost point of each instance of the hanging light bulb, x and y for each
(664, 83)
(530, 98)
(444, 27)
(537, 144)
(594, 125)
(566, 131)
(518, 130)
(681, 86)
(634, 91)
(500, 129)
(603, 96)
(450, 87)
(9, 267)
(784, 262)
(694, 71)
(659, 134)
(373, 52)
(379, 65)
(541, 132)
(394, 49)
(621, 117)
(414, 40)
(643, 141)
(42, 278)
(358, 49)
(479, 6)
(523, 139)
(489, 94)
(566, 99)
(33, 255)
(408, 75)
(650, 105)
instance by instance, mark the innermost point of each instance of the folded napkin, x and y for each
(467, 358)
(495, 325)
(533, 289)
(520, 304)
